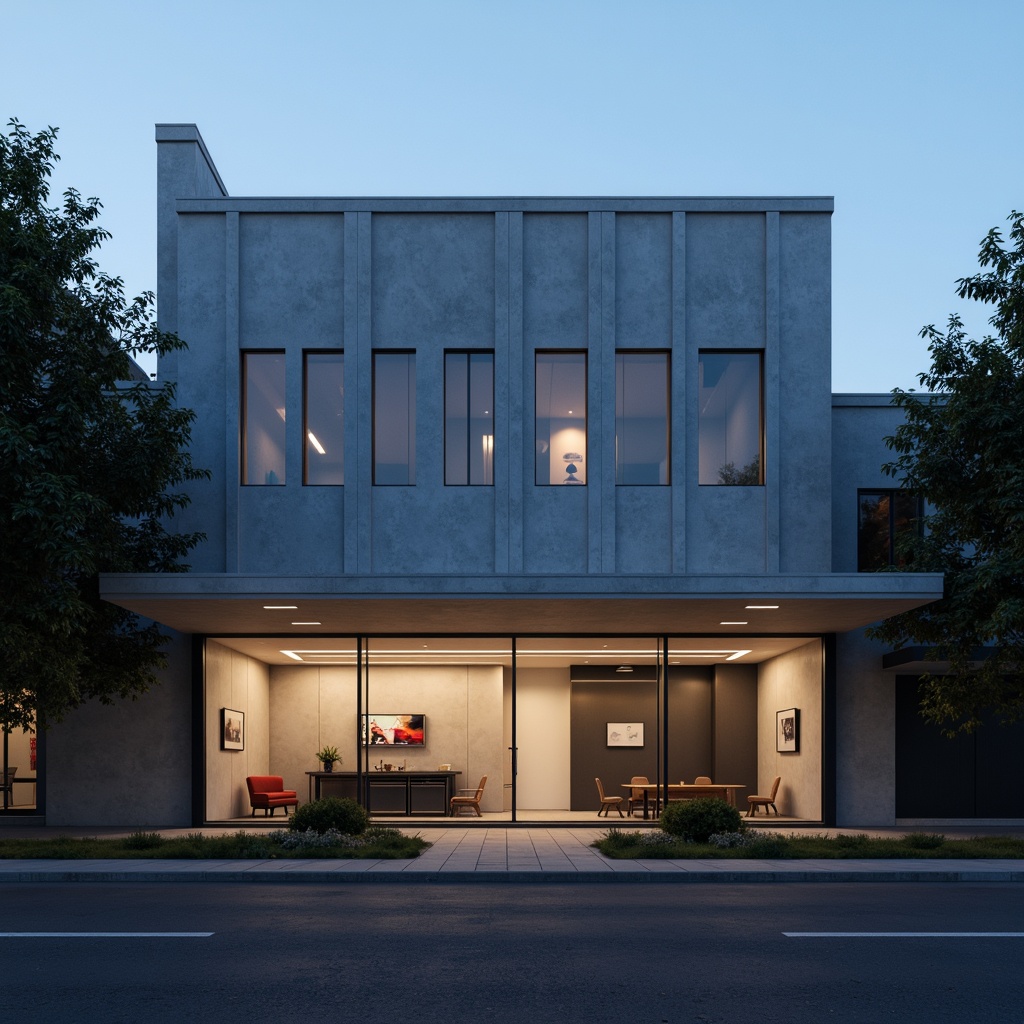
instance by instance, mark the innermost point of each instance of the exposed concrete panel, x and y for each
(725, 275)
(643, 280)
(866, 734)
(291, 280)
(555, 282)
(128, 763)
(433, 280)
(643, 529)
(791, 680)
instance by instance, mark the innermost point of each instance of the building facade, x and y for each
(560, 482)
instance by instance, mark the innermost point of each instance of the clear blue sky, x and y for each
(909, 113)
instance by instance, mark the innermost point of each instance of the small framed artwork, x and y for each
(787, 731)
(625, 734)
(232, 729)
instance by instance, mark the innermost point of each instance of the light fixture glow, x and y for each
(760, 607)
(315, 443)
(281, 607)
(280, 412)
(735, 623)
(307, 623)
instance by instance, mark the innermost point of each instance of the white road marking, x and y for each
(904, 935)
(105, 935)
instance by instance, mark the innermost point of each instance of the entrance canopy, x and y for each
(210, 603)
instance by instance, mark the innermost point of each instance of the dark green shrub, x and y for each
(855, 842)
(695, 820)
(340, 813)
(923, 841)
(143, 841)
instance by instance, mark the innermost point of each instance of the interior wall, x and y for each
(735, 727)
(689, 722)
(542, 735)
(311, 706)
(791, 680)
(241, 683)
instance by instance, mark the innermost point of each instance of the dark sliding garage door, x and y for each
(980, 775)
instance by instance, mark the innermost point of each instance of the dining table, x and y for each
(681, 791)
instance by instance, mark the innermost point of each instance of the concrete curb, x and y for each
(376, 874)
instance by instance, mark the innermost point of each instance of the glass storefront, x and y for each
(417, 719)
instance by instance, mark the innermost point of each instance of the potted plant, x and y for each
(328, 755)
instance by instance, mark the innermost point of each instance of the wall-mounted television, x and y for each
(394, 730)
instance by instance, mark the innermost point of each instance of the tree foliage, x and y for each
(90, 465)
(962, 448)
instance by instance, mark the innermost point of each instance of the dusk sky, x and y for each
(908, 113)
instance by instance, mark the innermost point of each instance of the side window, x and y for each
(469, 418)
(730, 423)
(394, 418)
(323, 433)
(882, 517)
(642, 418)
(263, 418)
(561, 418)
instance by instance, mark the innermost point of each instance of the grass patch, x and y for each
(374, 844)
(759, 844)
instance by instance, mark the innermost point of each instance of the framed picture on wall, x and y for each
(787, 731)
(625, 734)
(232, 729)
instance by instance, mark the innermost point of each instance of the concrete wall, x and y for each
(128, 763)
(514, 276)
(791, 680)
(866, 734)
(240, 683)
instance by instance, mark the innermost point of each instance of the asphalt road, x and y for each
(435, 953)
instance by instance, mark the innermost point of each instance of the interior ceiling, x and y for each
(531, 652)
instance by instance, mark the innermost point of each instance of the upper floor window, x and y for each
(323, 440)
(263, 418)
(729, 419)
(561, 417)
(641, 418)
(882, 517)
(394, 418)
(469, 418)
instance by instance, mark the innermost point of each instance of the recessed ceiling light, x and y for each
(281, 607)
(759, 607)
(624, 668)
(736, 623)
(307, 623)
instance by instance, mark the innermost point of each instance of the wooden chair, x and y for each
(608, 802)
(702, 780)
(470, 800)
(636, 796)
(7, 786)
(764, 801)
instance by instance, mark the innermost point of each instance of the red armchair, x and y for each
(268, 792)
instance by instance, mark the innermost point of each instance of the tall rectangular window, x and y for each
(394, 418)
(561, 417)
(641, 418)
(729, 420)
(323, 440)
(882, 517)
(263, 418)
(469, 418)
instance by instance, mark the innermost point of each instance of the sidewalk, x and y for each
(535, 855)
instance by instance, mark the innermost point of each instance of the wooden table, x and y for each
(680, 791)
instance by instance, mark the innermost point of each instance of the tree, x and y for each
(89, 464)
(962, 449)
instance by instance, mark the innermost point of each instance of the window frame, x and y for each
(537, 353)
(762, 440)
(306, 353)
(915, 523)
(468, 353)
(411, 426)
(243, 433)
(666, 354)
